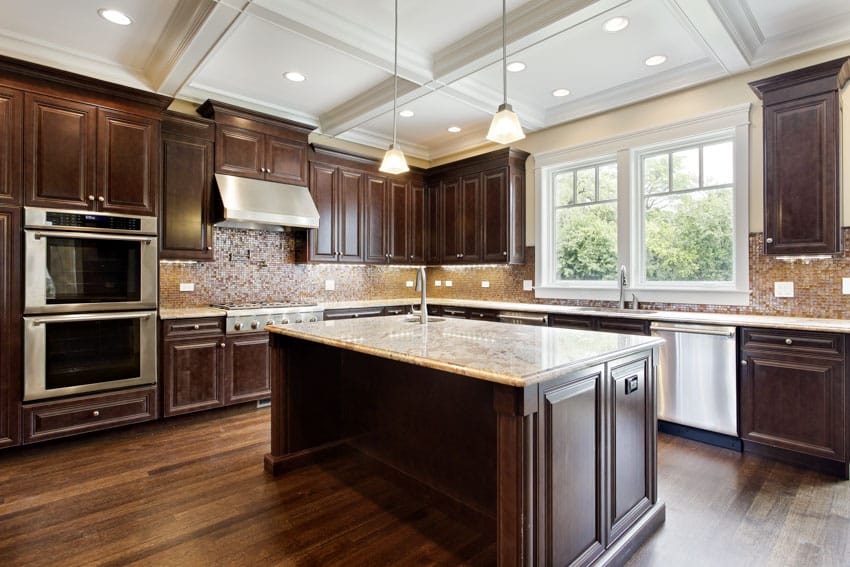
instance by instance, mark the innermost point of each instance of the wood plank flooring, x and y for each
(191, 491)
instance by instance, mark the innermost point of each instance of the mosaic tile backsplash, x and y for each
(259, 266)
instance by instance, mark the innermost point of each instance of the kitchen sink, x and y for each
(415, 319)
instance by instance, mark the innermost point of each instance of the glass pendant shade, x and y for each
(394, 161)
(505, 127)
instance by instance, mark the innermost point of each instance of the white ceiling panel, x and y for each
(783, 17)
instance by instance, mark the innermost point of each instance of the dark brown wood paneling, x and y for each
(186, 218)
(494, 216)
(450, 216)
(470, 218)
(10, 326)
(49, 420)
(192, 374)
(376, 219)
(127, 163)
(397, 222)
(11, 140)
(434, 222)
(247, 368)
(350, 215)
(416, 225)
(59, 152)
(323, 240)
(286, 161)
(239, 152)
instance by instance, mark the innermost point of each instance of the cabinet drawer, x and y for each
(483, 314)
(629, 326)
(48, 420)
(355, 313)
(454, 311)
(796, 342)
(571, 322)
(397, 309)
(172, 328)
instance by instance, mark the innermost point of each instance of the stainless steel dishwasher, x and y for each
(697, 384)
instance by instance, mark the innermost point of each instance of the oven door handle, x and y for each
(90, 317)
(59, 234)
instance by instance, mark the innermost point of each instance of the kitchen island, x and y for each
(546, 435)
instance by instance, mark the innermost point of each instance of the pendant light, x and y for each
(505, 127)
(394, 161)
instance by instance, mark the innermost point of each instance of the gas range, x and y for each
(252, 317)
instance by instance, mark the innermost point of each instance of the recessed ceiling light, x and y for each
(516, 66)
(560, 92)
(406, 113)
(616, 24)
(656, 60)
(115, 16)
(454, 129)
(295, 76)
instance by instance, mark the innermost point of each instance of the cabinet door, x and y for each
(10, 326)
(470, 218)
(450, 215)
(247, 364)
(802, 215)
(416, 223)
(794, 402)
(11, 137)
(631, 442)
(186, 217)
(192, 372)
(376, 219)
(127, 163)
(323, 240)
(350, 212)
(59, 152)
(286, 161)
(494, 216)
(397, 225)
(239, 152)
(434, 234)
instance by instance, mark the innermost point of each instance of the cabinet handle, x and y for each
(91, 197)
(222, 345)
(196, 327)
(95, 413)
(768, 240)
(101, 199)
(788, 341)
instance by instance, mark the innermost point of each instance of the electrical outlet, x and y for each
(408, 283)
(783, 289)
(330, 285)
(485, 283)
(187, 287)
(527, 285)
(448, 283)
(845, 286)
(438, 283)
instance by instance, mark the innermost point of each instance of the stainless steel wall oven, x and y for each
(90, 302)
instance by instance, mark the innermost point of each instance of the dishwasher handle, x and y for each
(716, 330)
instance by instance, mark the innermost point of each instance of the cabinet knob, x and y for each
(411, 257)
(95, 413)
(209, 247)
(505, 253)
(255, 325)
(788, 341)
(768, 240)
(101, 199)
(91, 197)
(356, 315)
(743, 363)
(460, 256)
(222, 345)
(270, 322)
(457, 256)
(196, 327)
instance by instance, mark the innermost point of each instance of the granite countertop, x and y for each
(516, 355)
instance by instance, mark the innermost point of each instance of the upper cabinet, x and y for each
(802, 155)
(477, 209)
(186, 217)
(251, 144)
(11, 136)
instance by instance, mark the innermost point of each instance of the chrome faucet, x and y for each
(622, 283)
(423, 302)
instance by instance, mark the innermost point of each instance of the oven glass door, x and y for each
(68, 271)
(72, 354)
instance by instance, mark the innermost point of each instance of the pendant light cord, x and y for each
(504, 51)
(395, 74)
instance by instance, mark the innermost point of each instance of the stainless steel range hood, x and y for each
(264, 205)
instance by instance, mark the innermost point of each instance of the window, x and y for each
(669, 204)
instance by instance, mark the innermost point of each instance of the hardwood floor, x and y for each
(191, 491)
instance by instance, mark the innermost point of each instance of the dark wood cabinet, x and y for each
(10, 326)
(415, 229)
(338, 194)
(246, 364)
(192, 363)
(802, 156)
(186, 217)
(623, 325)
(11, 140)
(82, 156)
(478, 209)
(256, 145)
(376, 220)
(794, 397)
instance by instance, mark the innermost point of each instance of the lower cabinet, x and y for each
(794, 397)
(82, 414)
(203, 369)
(623, 325)
(10, 326)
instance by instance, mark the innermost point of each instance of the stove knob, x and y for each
(270, 322)
(255, 324)
(284, 321)
(298, 320)
(313, 319)
(237, 326)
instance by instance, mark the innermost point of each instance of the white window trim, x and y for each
(734, 121)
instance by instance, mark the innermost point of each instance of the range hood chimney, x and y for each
(264, 205)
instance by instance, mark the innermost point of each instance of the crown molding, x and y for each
(199, 93)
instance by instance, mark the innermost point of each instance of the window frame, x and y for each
(733, 124)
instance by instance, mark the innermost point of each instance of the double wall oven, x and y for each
(90, 302)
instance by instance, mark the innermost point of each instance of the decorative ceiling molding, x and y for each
(376, 140)
(712, 28)
(833, 31)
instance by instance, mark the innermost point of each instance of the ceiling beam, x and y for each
(726, 30)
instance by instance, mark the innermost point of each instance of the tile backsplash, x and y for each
(257, 266)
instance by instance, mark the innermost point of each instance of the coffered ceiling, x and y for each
(449, 55)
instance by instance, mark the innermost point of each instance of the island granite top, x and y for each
(516, 355)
